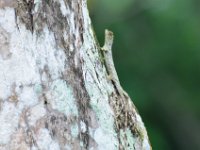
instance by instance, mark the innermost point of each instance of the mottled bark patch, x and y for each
(4, 44)
(63, 129)
(8, 3)
(24, 13)
(48, 13)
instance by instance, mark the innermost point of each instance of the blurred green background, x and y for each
(157, 56)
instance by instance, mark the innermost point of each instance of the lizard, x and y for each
(112, 75)
(109, 63)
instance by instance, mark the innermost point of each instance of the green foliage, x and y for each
(157, 56)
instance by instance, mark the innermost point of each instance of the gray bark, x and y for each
(54, 90)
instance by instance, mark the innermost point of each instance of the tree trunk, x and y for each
(54, 90)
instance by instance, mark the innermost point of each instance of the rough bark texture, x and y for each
(54, 90)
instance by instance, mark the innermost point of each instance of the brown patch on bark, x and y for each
(8, 3)
(74, 78)
(18, 141)
(13, 97)
(24, 13)
(4, 44)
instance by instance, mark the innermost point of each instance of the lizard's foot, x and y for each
(104, 49)
(110, 77)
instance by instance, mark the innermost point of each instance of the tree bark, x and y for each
(54, 90)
